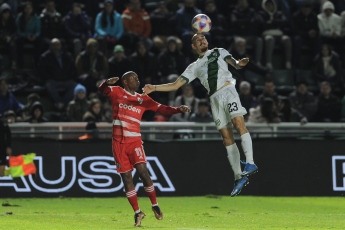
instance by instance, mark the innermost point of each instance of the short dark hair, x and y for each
(204, 102)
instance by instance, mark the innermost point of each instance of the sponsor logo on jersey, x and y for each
(129, 107)
(140, 100)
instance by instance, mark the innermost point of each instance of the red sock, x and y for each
(133, 199)
(151, 193)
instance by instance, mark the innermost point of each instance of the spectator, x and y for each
(8, 33)
(36, 113)
(269, 91)
(275, 29)
(288, 114)
(239, 51)
(187, 98)
(57, 70)
(247, 23)
(170, 61)
(118, 62)
(137, 24)
(203, 113)
(306, 31)
(303, 101)
(266, 112)
(328, 107)
(144, 64)
(184, 17)
(220, 35)
(329, 25)
(51, 23)
(79, 106)
(31, 98)
(7, 99)
(5, 145)
(78, 28)
(91, 65)
(11, 117)
(247, 99)
(108, 26)
(327, 67)
(94, 114)
(162, 25)
(28, 32)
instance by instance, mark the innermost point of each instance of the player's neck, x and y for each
(202, 53)
(130, 91)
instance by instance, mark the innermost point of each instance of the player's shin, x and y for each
(234, 159)
(247, 146)
(133, 200)
(151, 193)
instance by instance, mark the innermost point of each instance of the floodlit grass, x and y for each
(210, 212)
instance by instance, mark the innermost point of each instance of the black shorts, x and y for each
(3, 160)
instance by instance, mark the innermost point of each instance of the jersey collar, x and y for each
(135, 93)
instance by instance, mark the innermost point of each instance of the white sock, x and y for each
(234, 159)
(138, 211)
(247, 147)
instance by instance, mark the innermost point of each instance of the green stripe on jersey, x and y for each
(183, 77)
(228, 56)
(212, 71)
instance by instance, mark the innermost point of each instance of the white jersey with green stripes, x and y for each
(211, 69)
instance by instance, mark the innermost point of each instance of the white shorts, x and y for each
(226, 105)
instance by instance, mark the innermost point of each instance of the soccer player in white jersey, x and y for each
(212, 70)
(128, 108)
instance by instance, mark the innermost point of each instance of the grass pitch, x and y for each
(210, 212)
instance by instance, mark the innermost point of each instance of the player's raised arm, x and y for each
(237, 64)
(103, 87)
(148, 88)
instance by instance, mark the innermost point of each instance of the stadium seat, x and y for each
(284, 80)
(306, 76)
(256, 79)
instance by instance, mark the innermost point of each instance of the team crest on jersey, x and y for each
(140, 100)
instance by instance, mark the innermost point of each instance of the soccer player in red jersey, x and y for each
(128, 108)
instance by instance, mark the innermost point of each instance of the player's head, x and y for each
(199, 43)
(130, 81)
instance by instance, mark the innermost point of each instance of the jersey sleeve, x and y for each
(189, 74)
(106, 89)
(224, 54)
(150, 104)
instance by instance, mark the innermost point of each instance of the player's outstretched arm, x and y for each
(237, 64)
(165, 87)
(113, 80)
(169, 110)
(103, 87)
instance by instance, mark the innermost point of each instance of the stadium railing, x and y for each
(179, 130)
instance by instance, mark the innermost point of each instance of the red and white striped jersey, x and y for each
(127, 112)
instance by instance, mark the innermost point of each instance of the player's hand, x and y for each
(184, 109)
(243, 62)
(148, 88)
(112, 80)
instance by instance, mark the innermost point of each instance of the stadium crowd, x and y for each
(54, 53)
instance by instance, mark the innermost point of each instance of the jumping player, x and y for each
(212, 70)
(128, 108)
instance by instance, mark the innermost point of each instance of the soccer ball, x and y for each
(201, 23)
